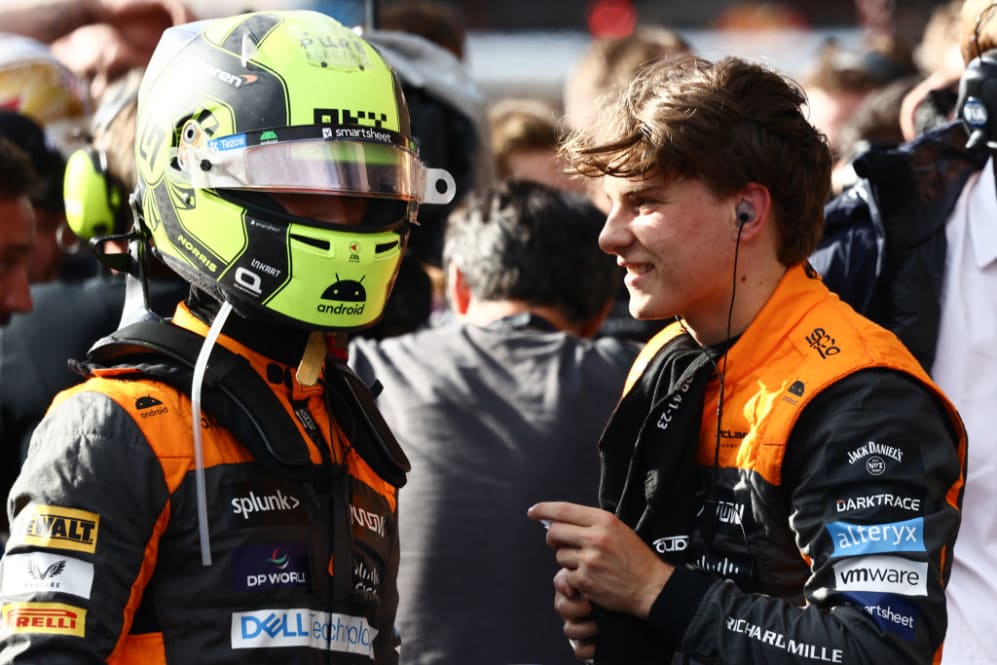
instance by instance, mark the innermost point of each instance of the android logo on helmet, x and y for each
(237, 111)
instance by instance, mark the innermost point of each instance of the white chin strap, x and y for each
(195, 415)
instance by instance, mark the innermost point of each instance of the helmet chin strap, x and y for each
(312, 359)
(195, 416)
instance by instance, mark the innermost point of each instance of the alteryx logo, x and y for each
(860, 539)
(326, 631)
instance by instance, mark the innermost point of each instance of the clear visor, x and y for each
(316, 166)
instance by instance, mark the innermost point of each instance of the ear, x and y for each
(458, 292)
(752, 210)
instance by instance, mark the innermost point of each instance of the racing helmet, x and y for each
(233, 111)
(33, 82)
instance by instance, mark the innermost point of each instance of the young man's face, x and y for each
(17, 238)
(676, 241)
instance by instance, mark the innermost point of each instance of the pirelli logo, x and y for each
(56, 527)
(47, 618)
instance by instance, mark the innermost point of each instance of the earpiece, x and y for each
(745, 213)
(977, 103)
(94, 204)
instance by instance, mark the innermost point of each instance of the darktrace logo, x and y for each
(149, 406)
(349, 294)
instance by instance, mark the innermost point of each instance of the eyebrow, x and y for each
(637, 192)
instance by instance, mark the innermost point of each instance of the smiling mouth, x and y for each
(638, 268)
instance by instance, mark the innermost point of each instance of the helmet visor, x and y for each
(313, 165)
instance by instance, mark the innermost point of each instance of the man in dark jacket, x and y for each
(912, 246)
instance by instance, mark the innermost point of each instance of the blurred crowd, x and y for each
(69, 75)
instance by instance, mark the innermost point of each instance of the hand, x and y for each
(604, 560)
(576, 611)
(121, 35)
(125, 11)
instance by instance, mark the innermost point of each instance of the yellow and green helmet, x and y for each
(234, 110)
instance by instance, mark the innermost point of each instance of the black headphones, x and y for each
(977, 103)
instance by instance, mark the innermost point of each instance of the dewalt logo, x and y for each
(56, 527)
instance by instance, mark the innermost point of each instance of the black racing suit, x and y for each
(822, 511)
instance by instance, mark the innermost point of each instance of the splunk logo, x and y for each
(855, 539)
(252, 503)
(884, 574)
(264, 629)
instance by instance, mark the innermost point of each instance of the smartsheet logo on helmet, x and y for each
(327, 631)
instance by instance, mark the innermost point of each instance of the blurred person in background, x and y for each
(68, 316)
(99, 40)
(839, 79)
(55, 255)
(437, 22)
(912, 246)
(449, 117)
(931, 103)
(18, 183)
(526, 140)
(609, 62)
(495, 410)
(873, 125)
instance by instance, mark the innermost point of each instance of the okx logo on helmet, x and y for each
(236, 116)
